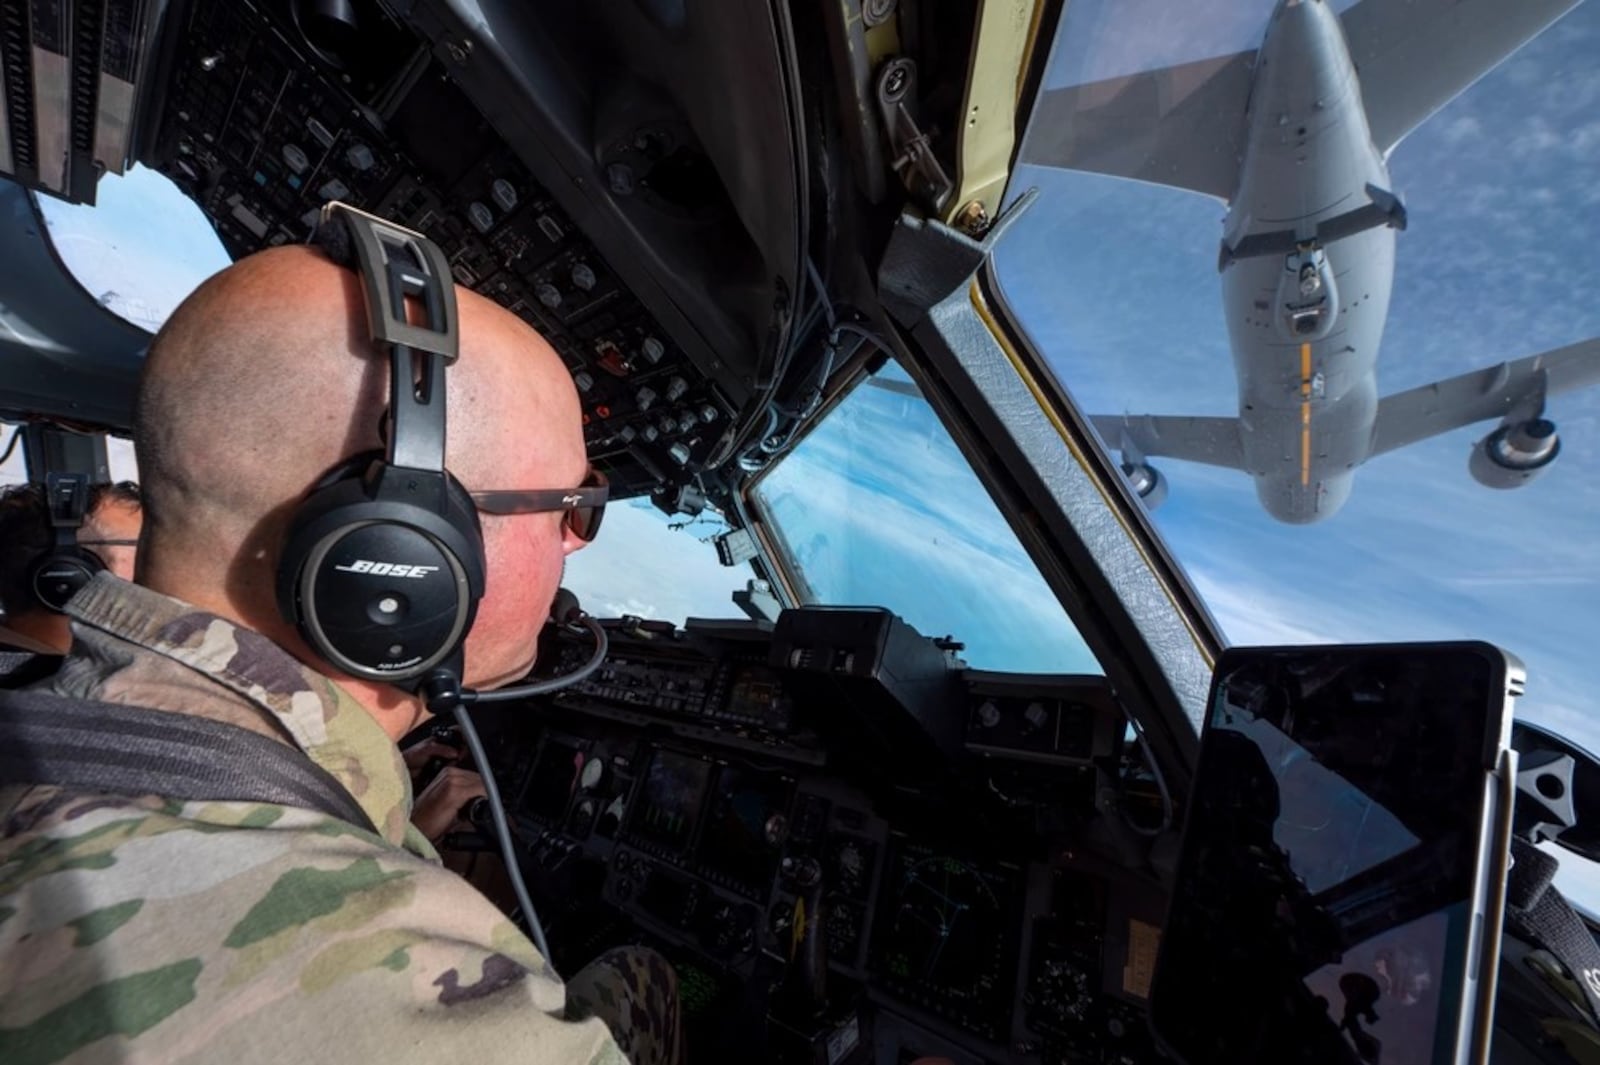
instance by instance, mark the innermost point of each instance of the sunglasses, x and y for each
(584, 505)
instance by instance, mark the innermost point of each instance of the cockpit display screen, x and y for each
(735, 843)
(757, 698)
(669, 800)
(945, 933)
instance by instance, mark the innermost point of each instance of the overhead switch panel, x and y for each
(70, 76)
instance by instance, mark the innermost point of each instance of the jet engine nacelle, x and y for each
(1515, 454)
(1147, 483)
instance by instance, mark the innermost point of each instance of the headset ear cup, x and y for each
(382, 589)
(344, 485)
(330, 494)
(62, 574)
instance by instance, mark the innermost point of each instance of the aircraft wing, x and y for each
(1414, 57)
(1181, 126)
(1407, 417)
(1212, 441)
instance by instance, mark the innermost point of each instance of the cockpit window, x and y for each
(1343, 343)
(140, 250)
(650, 565)
(876, 506)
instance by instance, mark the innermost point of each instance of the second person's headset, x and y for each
(383, 564)
(62, 571)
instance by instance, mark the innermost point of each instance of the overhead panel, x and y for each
(69, 74)
(264, 124)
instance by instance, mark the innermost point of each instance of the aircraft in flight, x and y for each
(1295, 137)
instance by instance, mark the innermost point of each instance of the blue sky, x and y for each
(880, 508)
(141, 249)
(1117, 284)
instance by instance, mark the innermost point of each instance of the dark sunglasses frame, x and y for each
(584, 505)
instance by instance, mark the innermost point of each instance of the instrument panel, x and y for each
(698, 780)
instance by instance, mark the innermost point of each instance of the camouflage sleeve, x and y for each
(635, 992)
(156, 931)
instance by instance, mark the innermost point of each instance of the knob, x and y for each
(360, 156)
(1036, 715)
(989, 714)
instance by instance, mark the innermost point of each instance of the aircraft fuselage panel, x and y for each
(1305, 311)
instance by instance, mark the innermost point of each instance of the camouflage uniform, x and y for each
(164, 931)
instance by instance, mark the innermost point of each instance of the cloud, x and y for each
(1461, 129)
(1537, 137)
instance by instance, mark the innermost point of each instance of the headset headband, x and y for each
(395, 263)
(382, 565)
(66, 497)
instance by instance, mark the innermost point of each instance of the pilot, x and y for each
(110, 532)
(166, 931)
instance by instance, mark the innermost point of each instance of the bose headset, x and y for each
(62, 571)
(383, 566)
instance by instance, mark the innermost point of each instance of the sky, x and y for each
(1116, 283)
(140, 249)
(918, 534)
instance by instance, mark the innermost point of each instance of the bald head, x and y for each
(265, 378)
